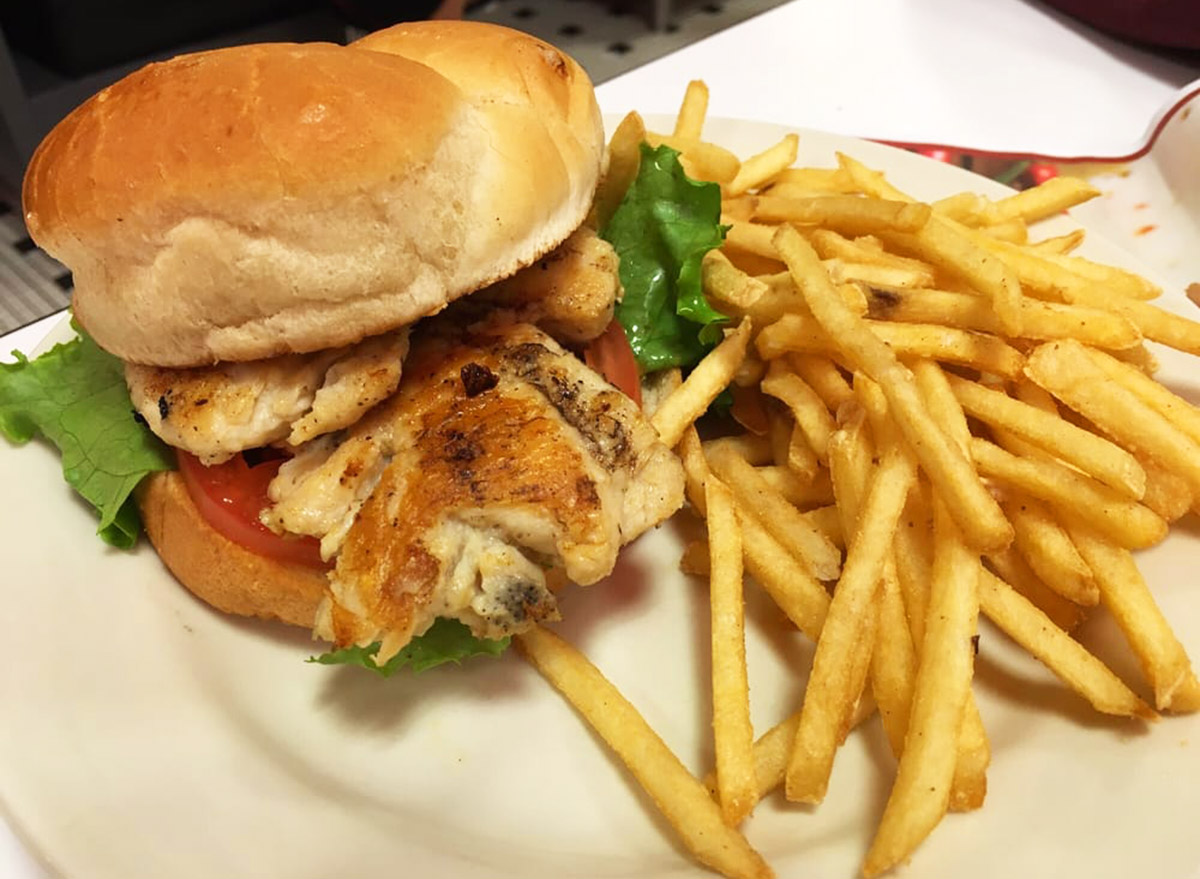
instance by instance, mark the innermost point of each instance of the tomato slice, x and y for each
(231, 495)
(610, 355)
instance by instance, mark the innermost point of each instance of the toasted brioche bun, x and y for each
(247, 202)
(220, 572)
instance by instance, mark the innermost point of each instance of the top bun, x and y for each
(253, 201)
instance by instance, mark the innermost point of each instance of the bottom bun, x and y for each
(224, 574)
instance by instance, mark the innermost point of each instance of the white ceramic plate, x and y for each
(143, 735)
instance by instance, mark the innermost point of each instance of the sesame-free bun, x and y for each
(220, 572)
(247, 202)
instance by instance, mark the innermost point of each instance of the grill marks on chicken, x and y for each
(214, 412)
(501, 465)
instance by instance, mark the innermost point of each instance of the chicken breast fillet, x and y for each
(501, 464)
(214, 412)
(570, 293)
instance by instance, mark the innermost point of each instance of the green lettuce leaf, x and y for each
(661, 231)
(75, 396)
(446, 641)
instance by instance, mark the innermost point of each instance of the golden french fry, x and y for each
(807, 408)
(1041, 320)
(723, 282)
(1061, 244)
(762, 167)
(624, 159)
(830, 696)
(732, 731)
(1071, 372)
(689, 123)
(1012, 568)
(876, 275)
(703, 160)
(1030, 627)
(1014, 231)
(951, 472)
(798, 333)
(824, 377)
(893, 660)
(1171, 406)
(680, 797)
(1125, 594)
(1167, 493)
(799, 493)
(784, 577)
(710, 376)
(751, 237)
(921, 793)
(814, 180)
(845, 213)
(1048, 549)
(951, 247)
(755, 449)
(781, 519)
(1094, 455)
(1071, 493)
(801, 459)
(1044, 200)
(1111, 277)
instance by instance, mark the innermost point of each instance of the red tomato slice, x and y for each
(230, 496)
(610, 355)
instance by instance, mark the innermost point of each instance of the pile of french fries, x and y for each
(939, 419)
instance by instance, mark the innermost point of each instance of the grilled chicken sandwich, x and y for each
(277, 240)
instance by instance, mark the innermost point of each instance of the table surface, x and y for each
(1002, 75)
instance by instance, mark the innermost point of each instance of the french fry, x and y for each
(1030, 627)
(1071, 493)
(680, 797)
(1111, 277)
(803, 334)
(780, 518)
(759, 168)
(951, 248)
(1071, 372)
(799, 493)
(724, 282)
(845, 213)
(1060, 244)
(710, 376)
(624, 159)
(1012, 568)
(972, 505)
(1041, 320)
(824, 377)
(733, 733)
(785, 578)
(807, 408)
(1164, 662)
(689, 123)
(815, 180)
(1171, 406)
(921, 793)
(893, 660)
(1044, 200)
(755, 449)
(1094, 455)
(876, 275)
(702, 160)
(751, 237)
(1049, 551)
(829, 699)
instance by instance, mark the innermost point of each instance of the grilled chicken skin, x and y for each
(501, 464)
